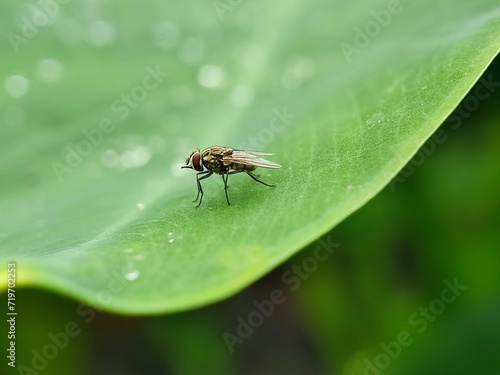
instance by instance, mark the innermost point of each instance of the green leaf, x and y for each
(343, 94)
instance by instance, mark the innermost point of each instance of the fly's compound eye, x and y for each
(196, 161)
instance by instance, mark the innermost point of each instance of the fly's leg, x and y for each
(200, 190)
(225, 183)
(225, 186)
(256, 179)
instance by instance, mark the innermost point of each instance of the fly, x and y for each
(226, 161)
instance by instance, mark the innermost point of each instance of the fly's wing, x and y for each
(251, 158)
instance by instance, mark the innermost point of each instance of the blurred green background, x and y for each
(394, 255)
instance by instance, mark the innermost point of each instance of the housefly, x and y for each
(226, 161)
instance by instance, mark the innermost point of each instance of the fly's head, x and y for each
(194, 161)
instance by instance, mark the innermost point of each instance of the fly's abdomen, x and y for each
(242, 167)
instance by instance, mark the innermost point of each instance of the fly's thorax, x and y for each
(212, 159)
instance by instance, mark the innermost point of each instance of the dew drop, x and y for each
(17, 86)
(171, 238)
(110, 158)
(210, 76)
(132, 274)
(141, 206)
(130, 271)
(49, 70)
(101, 33)
(135, 158)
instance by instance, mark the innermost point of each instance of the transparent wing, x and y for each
(256, 152)
(251, 158)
